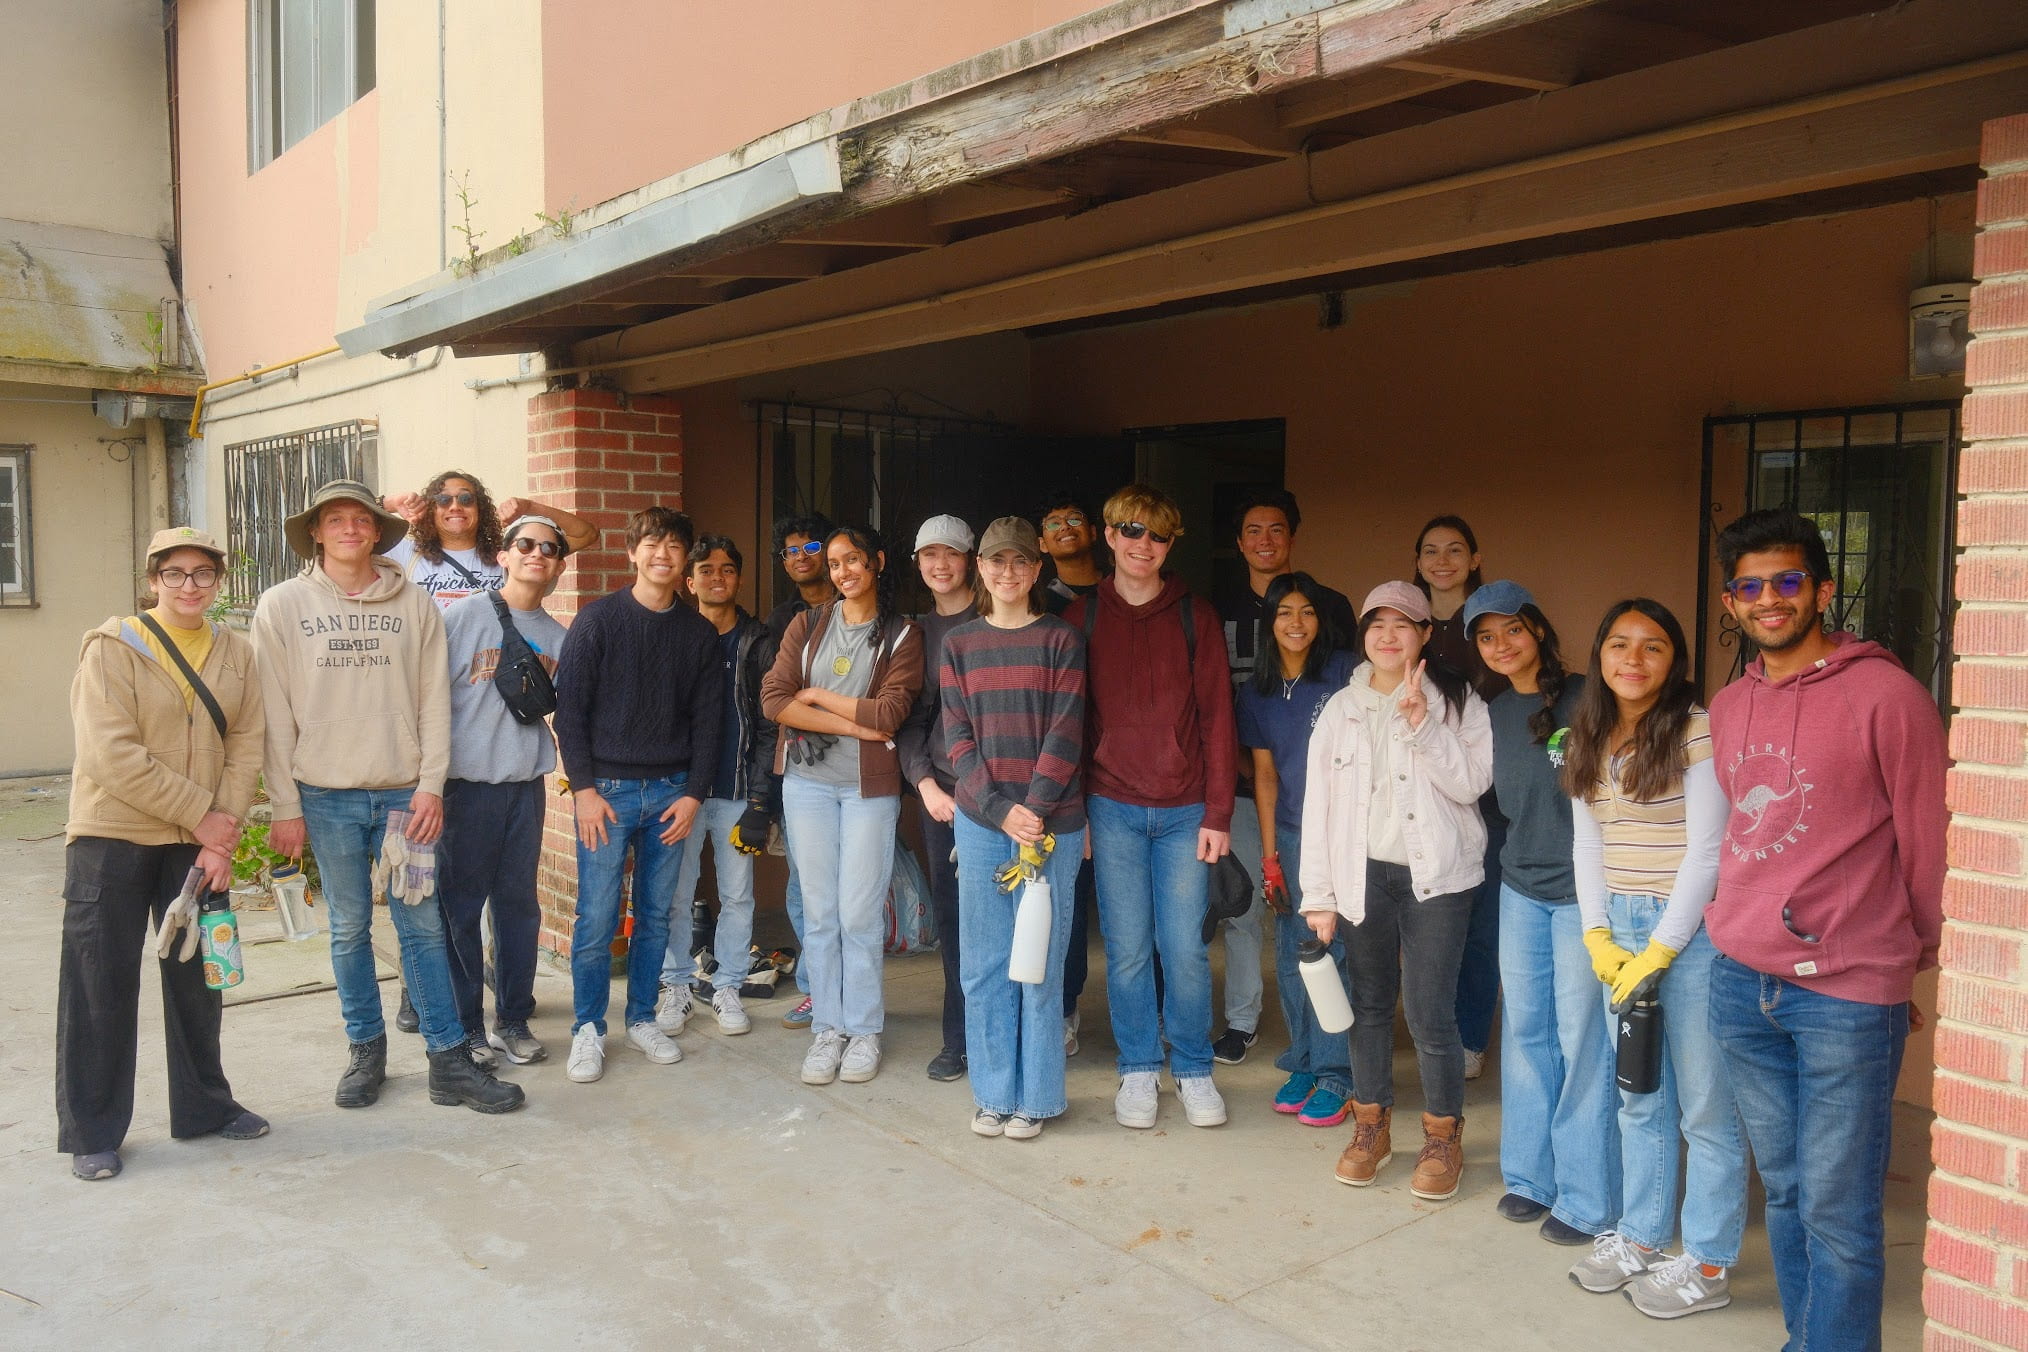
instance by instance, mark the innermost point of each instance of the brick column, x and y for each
(604, 455)
(1975, 1291)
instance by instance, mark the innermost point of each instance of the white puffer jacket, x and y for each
(1440, 771)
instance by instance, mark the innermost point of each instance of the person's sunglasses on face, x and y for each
(1134, 530)
(548, 548)
(1787, 585)
(447, 499)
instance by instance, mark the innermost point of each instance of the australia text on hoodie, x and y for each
(1833, 866)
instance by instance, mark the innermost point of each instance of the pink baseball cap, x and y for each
(1405, 597)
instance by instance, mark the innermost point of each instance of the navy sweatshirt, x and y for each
(639, 693)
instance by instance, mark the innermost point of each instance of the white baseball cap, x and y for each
(944, 530)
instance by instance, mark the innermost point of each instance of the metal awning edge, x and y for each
(797, 177)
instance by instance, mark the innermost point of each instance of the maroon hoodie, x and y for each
(1833, 867)
(1160, 734)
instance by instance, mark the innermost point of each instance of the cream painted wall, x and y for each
(85, 553)
(84, 84)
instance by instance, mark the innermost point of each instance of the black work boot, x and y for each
(359, 1086)
(455, 1078)
(405, 1016)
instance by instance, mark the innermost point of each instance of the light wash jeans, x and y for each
(1152, 891)
(1814, 1076)
(844, 850)
(1244, 934)
(1692, 1106)
(638, 804)
(734, 934)
(1312, 1051)
(792, 901)
(345, 828)
(1559, 1108)
(1013, 1031)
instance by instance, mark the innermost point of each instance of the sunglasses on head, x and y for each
(549, 549)
(461, 499)
(807, 547)
(1787, 585)
(1134, 530)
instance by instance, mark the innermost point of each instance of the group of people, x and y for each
(1419, 789)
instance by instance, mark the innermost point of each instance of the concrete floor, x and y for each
(721, 1201)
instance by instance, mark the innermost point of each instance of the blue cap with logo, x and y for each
(1496, 598)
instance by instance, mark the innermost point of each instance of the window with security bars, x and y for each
(270, 480)
(16, 555)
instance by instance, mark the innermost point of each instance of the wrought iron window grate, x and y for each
(269, 480)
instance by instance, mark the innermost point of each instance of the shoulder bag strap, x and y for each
(197, 684)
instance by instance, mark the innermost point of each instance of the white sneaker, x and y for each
(1678, 1286)
(1614, 1261)
(654, 1043)
(862, 1059)
(1475, 1064)
(1019, 1128)
(1202, 1104)
(827, 1049)
(1070, 1023)
(730, 1013)
(986, 1123)
(1134, 1105)
(587, 1055)
(672, 1009)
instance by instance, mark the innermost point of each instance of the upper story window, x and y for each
(16, 554)
(307, 60)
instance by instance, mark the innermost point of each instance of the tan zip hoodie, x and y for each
(148, 765)
(357, 687)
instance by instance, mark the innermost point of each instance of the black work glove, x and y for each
(749, 834)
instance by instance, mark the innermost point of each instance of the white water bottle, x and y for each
(1327, 992)
(292, 900)
(1030, 956)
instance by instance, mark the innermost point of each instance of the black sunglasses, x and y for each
(446, 499)
(807, 547)
(549, 549)
(1134, 530)
(1787, 585)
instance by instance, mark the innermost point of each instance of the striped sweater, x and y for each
(1645, 842)
(1013, 720)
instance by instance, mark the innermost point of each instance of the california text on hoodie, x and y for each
(149, 764)
(1833, 867)
(1160, 733)
(358, 688)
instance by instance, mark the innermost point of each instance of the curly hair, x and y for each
(430, 544)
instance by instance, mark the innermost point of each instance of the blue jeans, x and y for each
(1559, 1125)
(1693, 1106)
(638, 805)
(1312, 1051)
(345, 828)
(792, 901)
(1013, 1031)
(1814, 1076)
(1152, 891)
(492, 843)
(1479, 970)
(733, 937)
(844, 850)
(1243, 934)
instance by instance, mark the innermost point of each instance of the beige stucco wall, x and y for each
(84, 92)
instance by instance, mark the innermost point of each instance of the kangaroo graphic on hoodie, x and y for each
(1832, 872)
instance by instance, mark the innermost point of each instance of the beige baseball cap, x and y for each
(184, 537)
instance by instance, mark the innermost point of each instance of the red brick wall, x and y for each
(603, 455)
(1976, 1288)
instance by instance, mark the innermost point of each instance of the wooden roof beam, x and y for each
(904, 225)
(769, 260)
(973, 201)
(1329, 100)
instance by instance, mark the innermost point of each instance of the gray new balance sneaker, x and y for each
(1614, 1261)
(1677, 1287)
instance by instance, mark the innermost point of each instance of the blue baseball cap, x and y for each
(1496, 598)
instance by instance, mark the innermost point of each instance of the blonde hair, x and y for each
(1148, 505)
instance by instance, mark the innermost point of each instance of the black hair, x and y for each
(702, 550)
(653, 523)
(1449, 681)
(430, 544)
(1267, 677)
(866, 540)
(1657, 764)
(1062, 499)
(1456, 523)
(1263, 495)
(1550, 677)
(1774, 528)
(811, 525)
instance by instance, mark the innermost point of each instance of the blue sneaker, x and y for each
(1323, 1109)
(799, 1017)
(1295, 1091)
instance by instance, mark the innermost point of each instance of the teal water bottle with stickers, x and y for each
(218, 940)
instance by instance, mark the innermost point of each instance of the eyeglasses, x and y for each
(806, 548)
(461, 499)
(1056, 523)
(1134, 530)
(1787, 585)
(174, 578)
(521, 544)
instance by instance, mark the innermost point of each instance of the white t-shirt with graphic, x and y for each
(461, 574)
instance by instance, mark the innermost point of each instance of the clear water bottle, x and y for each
(292, 901)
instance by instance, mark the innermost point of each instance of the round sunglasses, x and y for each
(549, 549)
(461, 499)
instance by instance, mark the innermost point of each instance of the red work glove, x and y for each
(1274, 888)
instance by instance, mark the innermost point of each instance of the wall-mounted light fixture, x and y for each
(1939, 319)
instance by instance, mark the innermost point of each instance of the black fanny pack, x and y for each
(521, 679)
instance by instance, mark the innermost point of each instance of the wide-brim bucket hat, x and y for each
(297, 527)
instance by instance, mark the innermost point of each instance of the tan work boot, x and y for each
(1442, 1161)
(1371, 1145)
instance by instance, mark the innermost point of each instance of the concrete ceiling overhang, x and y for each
(88, 308)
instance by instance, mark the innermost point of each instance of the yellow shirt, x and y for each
(194, 644)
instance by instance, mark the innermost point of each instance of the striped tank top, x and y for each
(1645, 841)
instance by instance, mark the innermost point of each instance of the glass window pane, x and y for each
(364, 35)
(334, 90)
(297, 78)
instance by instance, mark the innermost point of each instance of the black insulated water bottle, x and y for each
(1640, 1046)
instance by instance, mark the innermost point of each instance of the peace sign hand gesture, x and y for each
(1414, 705)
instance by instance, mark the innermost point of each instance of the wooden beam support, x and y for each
(1329, 100)
(975, 201)
(904, 225)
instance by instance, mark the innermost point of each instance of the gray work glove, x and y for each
(181, 914)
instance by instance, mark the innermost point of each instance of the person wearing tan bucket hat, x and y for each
(168, 720)
(355, 674)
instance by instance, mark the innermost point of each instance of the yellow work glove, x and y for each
(1641, 975)
(1026, 865)
(749, 835)
(1607, 957)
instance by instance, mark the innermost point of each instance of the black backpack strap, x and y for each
(197, 684)
(477, 582)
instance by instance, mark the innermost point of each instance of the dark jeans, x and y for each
(492, 841)
(110, 889)
(1408, 948)
(938, 840)
(1479, 971)
(1077, 964)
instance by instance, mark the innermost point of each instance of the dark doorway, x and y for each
(1206, 467)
